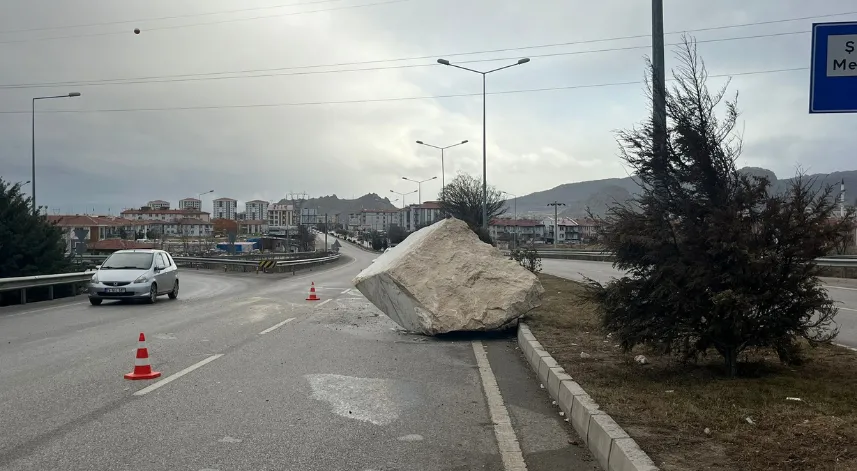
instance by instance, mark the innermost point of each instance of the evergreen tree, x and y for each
(29, 244)
(714, 258)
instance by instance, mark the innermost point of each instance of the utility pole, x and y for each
(659, 93)
(556, 205)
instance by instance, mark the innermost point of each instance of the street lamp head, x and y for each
(464, 141)
(405, 178)
(420, 142)
(443, 61)
(74, 94)
(433, 178)
(524, 60)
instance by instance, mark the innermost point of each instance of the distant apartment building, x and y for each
(374, 219)
(256, 210)
(158, 204)
(164, 214)
(224, 208)
(281, 215)
(185, 227)
(190, 203)
(505, 229)
(417, 216)
(253, 226)
(88, 230)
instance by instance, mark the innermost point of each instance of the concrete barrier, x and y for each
(608, 442)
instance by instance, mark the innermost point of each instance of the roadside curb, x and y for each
(608, 442)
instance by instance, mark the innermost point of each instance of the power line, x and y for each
(457, 54)
(207, 23)
(162, 18)
(208, 76)
(391, 99)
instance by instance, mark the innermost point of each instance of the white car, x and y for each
(135, 274)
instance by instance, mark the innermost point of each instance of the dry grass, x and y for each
(666, 406)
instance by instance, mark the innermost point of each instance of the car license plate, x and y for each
(115, 290)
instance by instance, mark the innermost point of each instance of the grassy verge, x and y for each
(689, 417)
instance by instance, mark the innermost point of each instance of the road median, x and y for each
(688, 415)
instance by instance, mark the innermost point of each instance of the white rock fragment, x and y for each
(750, 420)
(442, 278)
(707, 431)
(794, 399)
(641, 359)
(585, 355)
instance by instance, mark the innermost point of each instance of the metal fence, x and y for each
(24, 283)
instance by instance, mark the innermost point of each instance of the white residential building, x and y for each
(256, 210)
(224, 208)
(417, 216)
(190, 203)
(164, 214)
(158, 204)
(253, 226)
(374, 219)
(281, 215)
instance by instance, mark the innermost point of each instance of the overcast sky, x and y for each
(326, 130)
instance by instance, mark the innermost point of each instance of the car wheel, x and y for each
(153, 294)
(175, 292)
(95, 302)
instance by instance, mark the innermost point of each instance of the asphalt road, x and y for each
(843, 291)
(255, 377)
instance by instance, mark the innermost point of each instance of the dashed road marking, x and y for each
(173, 377)
(847, 309)
(323, 302)
(507, 441)
(840, 287)
(276, 326)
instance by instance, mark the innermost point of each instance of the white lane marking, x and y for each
(276, 326)
(173, 377)
(323, 302)
(507, 442)
(846, 346)
(840, 287)
(22, 313)
(847, 309)
(346, 291)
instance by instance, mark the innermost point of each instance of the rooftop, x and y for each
(78, 220)
(189, 199)
(258, 201)
(119, 244)
(224, 199)
(163, 211)
(515, 222)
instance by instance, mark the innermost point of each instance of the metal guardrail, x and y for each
(227, 264)
(842, 261)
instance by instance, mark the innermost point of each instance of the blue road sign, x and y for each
(833, 75)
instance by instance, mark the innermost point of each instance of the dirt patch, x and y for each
(667, 406)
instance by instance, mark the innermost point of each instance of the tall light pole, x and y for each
(659, 93)
(33, 135)
(199, 197)
(484, 140)
(404, 206)
(556, 205)
(419, 186)
(516, 215)
(442, 171)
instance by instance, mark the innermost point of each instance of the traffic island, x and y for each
(689, 416)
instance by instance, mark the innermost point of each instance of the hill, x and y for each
(334, 205)
(599, 194)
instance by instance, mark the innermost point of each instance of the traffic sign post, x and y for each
(833, 72)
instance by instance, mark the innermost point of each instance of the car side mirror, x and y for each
(98, 267)
(157, 269)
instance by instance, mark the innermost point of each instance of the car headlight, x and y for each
(94, 278)
(142, 278)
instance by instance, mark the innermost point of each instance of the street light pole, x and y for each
(404, 206)
(442, 169)
(33, 141)
(419, 186)
(484, 132)
(556, 205)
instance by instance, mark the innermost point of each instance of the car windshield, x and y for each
(128, 260)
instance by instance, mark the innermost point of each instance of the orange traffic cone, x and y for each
(142, 368)
(312, 296)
